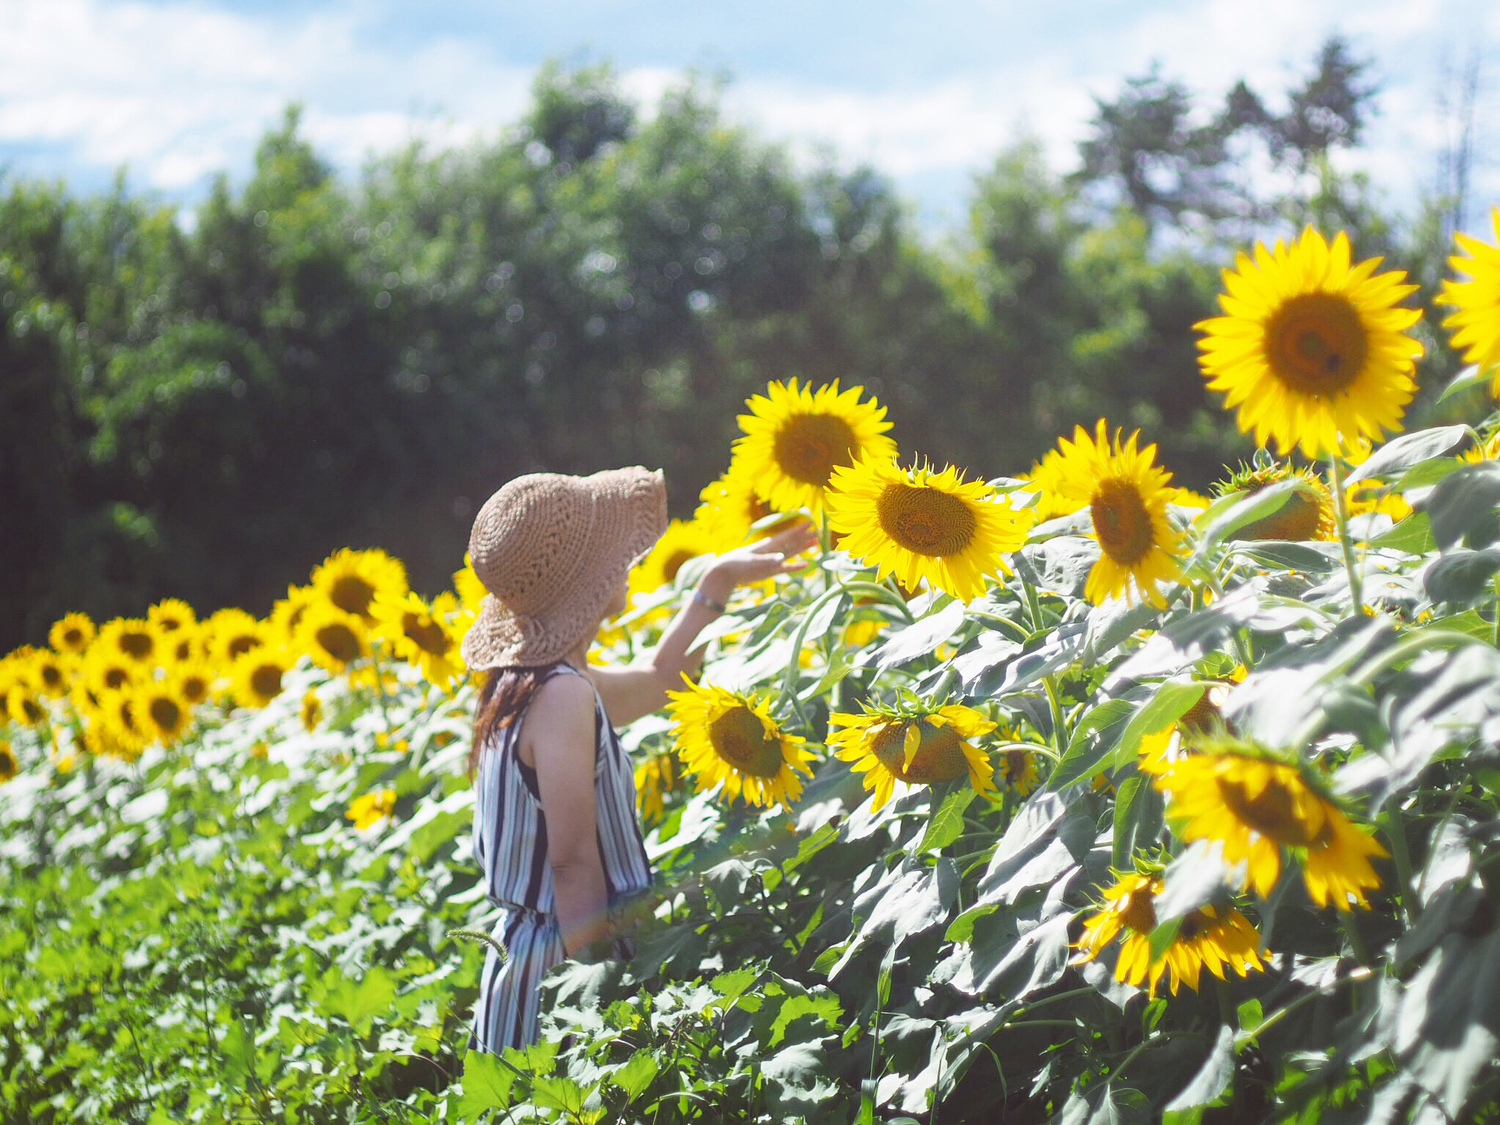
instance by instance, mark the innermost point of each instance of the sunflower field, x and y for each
(1064, 795)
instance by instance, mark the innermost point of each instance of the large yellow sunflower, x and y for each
(1127, 496)
(1476, 321)
(730, 506)
(1208, 938)
(683, 540)
(917, 523)
(795, 437)
(350, 580)
(230, 633)
(21, 700)
(257, 675)
(171, 615)
(419, 634)
(1255, 808)
(311, 711)
(161, 712)
(122, 735)
(1307, 514)
(1311, 350)
(132, 637)
(286, 613)
(920, 749)
(724, 736)
(51, 671)
(1043, 480)
(334, 639)
(72, 634)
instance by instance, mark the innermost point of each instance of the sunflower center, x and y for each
(338, 641)
(1193, 924)
(674, 563)
(265, 681)
(809, 446)
(115, 678)
(1271, 812)
(194, 688)
(1015, 763)
(351, 593)
(925, 520)
(164, 713)
(1316, 343)
(1138, 910)
(7, 763)
(136, 643)
(73, 638)
(1304, 516)
(31, 709)
(52, 675)
(1121, 521)
(243, 644)
(426, 635)
(739, 738)
(939, 756)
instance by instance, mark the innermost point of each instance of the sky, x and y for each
(178, 90)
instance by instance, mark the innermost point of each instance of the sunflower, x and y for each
(1476, 321)
(161, 712)
(1127, 496)
(50, 672)
(286, 613)
(1367, 497)
(418, 634)
(106, 669)
(231, 632)
(1256, 807)
(1207, 938)
(351, 579)
(194, 682)
(857, 634)
(470, 589)
(8, 766)
(171, 614)
(1017, 769)
(20, 699)
(683, 540)
(1487, 450)
(121, 733)
(724, 736)
(131, 637)
(257, 675)
(1043, 481)
(1307, 514)
(1310, 350)
(655, 776)
(333, 638)
(72, 634)
(371, 808)
(311, 711)
(730, 506)
(921, 748)
(187, 645)
(795, 438)
(917, 523)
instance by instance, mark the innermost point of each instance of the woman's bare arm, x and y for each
(638, 689)
(560, 726)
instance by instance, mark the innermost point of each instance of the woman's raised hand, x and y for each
(755, 562)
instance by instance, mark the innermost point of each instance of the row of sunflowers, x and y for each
(933, 646)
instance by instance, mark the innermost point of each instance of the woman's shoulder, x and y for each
(565, 694)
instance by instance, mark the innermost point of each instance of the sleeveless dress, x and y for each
(510, 846)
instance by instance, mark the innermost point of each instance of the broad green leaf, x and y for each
(1462, 575)
(487, 1085)
(1090, 743)
(1463, 501)
(961, 929)
(1407, 450)
(824, 1005)
(947, 823)
(1222, 520)
(1412, 535)
(637, 1073)
(1171, 700)
(359, 1003)
(1213, 1076)
(1469, 377)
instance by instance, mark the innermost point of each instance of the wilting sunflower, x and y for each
(730, 506)
(1256, 807)
(724, 736)
(1017, 769)
(131, 637)
(257, 675)
(231, 632)
(371, 808)
(917, 523)
(1311, 350)
(1476, 321)
(351, 579)
(418, 634)
(795, 437)
(1127, 497)
(920, 748)
(161, 712)
(72, 634)
(1307, 514)
(1208, 938)
(171, 615)
(333, 638)
(8, 765)
(311, 711)
(683, 540)
(656, 775)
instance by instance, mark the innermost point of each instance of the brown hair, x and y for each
(503, 697)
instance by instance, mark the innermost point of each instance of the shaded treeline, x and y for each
(206, 409)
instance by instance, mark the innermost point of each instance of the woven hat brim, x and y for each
(630, 516)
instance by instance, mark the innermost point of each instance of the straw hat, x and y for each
(552, 550)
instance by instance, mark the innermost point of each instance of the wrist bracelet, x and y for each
(703, 599)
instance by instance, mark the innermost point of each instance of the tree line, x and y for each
(205, 408)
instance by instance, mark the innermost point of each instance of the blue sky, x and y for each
(175, 91)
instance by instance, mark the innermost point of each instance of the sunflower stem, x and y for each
(1356, 939)
(385, 714)
(1057, 715)
(1341, 513)
(1395, 832)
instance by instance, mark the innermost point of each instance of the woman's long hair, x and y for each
(504, 696)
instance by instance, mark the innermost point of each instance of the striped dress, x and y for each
(510, 846)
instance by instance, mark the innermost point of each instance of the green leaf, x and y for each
(1224, 519)
(1171, 700)
(1250, 1015)
(1462, 501)
(1412, 535)
(1466, 379)
(947, 823)
(637, 1073)
(1408, 450)
(487, 1084)
(360, 1003)
(1461, 575)
(823, 1005)
(1090, 743)
(1213, 1076)
(961, 929)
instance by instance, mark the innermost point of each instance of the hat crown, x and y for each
(529, 538)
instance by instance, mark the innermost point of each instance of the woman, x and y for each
(555, 831)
